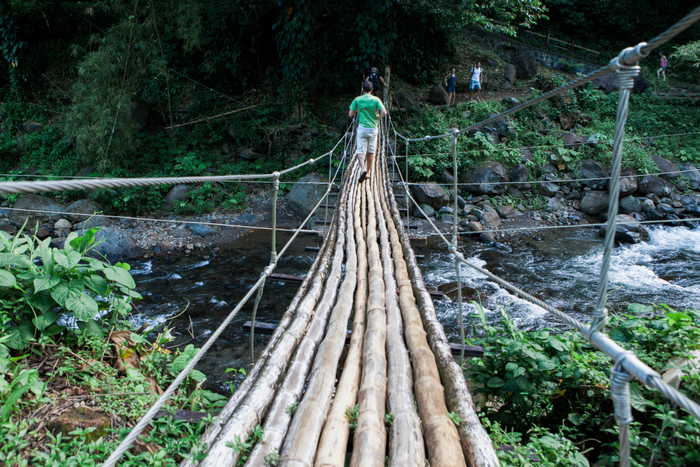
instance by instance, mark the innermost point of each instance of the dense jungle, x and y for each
(174, 88)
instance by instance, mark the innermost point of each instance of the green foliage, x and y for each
(559, 382)
(389, 419)
(65, 281)
(455, 418)
(244, 448)
(352, 415)
(292, 408)
(272, 458)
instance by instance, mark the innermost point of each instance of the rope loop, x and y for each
(620, 390)
(600, 319)
(626, 75)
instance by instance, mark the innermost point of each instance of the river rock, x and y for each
(525, 65)
(650, 184)
(32, 127)
(427, 209)
(647, 205)
(572, 140)
(448, 219)
(82, 210)
(506, 212)
(630, 204)
(176, 194)
(594, 202)
(593, 173)
(430, 193)
(509, 73)
(691, 173)
(665, 208)
(62, 224)
(547, 188)
(80, 418)
(403, 101)
(608, 83)
(668, 169)
(438, 95)
(201, 230)
(307, 193)
(33, 202)
(117, 245)
(628, 182)
(474, 226)
(501, 126)
(689, 200)
(520, 175)
(627, 230)
(555, 205)
(486, 179)
(488, 217)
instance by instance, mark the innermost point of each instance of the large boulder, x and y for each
(403, 101)
(594, 202)
(655, 185)
(250, 155)
(628, 182)
(486, 179)
(525, 65)
(630, 204)
(608, 83)
(627, 230)
(33, 204)
(592, 173)
(691, 173)
(667, 169)
(438, 95)
(488, 217)
(430, 193)
(547, 188)
(501, 126)
(117, 244)
(307, 193)
(82, 210)
(520, 175)
(509, 73)
(176, 194)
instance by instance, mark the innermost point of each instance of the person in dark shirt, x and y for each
(375, 78)
(451, 83)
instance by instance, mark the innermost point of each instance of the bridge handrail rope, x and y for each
(626, 362)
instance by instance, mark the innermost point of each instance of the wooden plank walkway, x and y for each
(397, 379)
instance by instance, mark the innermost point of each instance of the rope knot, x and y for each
(620, 390)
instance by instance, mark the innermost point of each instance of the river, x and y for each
(559, 266)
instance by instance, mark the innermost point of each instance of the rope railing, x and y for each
(627, 364)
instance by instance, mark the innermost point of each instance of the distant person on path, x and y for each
(451, 83)
(475, 82)
(664, 65)
(369, 108)
(375, 78)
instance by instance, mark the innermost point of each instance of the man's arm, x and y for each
(351, 113)
(382, 110)
(381, 78)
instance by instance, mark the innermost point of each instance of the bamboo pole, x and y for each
(250, 411)
(370, 436)
(301, 442)
(476, 444)
(406, 447)
(441, 436)
(332, 446)
(318, 270)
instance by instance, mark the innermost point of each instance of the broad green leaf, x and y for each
(130, 293)
(511, 367)
(84, 307)
(638, 308)
(574, 418)
(133, 373)
(96, 283)
(41, 301)
(95, 264)
(63, 291)
(637, 401)
(67, 258)
(550, 442)
(45, 282)
(44, 320)
(495, 382)
(12, 399)
(4, 241)
(68, 244)
(556, 344)
(519, 371)
(14, 259)
(124, 266)
(38, 388)
(53, 330)
(119, 276)
(6, 366)
(7, 279)
(578, 460)
(179, 363)
(19, 337)
(198, 376)
(26, 276)
(91, 328)
(136, 338)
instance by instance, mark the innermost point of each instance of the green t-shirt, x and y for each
(367, 107)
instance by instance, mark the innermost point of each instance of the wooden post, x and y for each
(387, 94)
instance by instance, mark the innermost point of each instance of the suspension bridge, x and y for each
(398, 366)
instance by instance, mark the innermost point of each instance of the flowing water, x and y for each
(559, 266)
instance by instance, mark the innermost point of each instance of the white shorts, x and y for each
(366, 140)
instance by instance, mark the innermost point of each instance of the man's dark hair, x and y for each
(367, 86)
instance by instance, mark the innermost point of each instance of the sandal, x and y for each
(363, 176)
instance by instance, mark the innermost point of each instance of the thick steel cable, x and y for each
(626, 77)
(455, 241)
(673, 31)
(620, 394)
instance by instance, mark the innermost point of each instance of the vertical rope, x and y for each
(620, 392)
(328, 192)
(258, 296)
(455, 240)
(625, 79)
(407, 199)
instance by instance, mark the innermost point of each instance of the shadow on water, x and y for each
(213, 286)
(560, 267)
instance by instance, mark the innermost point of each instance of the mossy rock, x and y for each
(81, 418)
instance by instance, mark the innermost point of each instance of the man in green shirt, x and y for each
(369, 109)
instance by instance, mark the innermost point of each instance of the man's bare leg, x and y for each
(370, 161)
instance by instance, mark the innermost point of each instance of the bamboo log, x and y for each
(332, 446)
(318, 270)
(370, 436)
(476, 444)
(301, 442)
(406, 447)
(250, 411)
(441, 436)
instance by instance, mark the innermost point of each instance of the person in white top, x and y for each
(475, 83)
